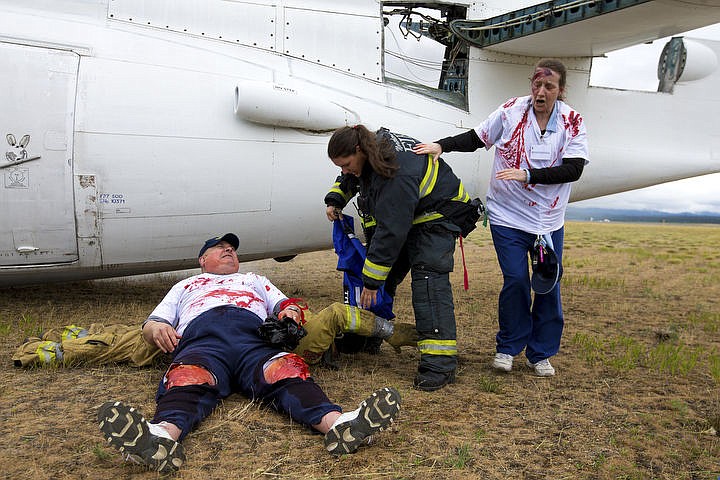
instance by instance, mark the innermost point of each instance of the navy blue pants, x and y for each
(224, 341)
(535, 325)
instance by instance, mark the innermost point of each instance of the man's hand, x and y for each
(284, 332)
(162, 335)
(333, 213)
(292, 312)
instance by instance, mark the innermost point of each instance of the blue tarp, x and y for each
(351, 257)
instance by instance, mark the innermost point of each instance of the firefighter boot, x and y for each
(367, 335)
(404, 334)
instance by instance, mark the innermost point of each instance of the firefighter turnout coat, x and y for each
(421, 189)
(411, 222)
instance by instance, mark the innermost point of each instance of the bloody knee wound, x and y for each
(290, 365)
(180, 375)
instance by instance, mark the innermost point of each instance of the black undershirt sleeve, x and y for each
(569, 171)
(465, 142)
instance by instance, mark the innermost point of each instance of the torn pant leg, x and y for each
(187, 395)
(285, 383)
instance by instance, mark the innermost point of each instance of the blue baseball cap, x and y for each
(230, 238)
(546, 269)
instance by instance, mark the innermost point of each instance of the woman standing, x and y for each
(413, 207)
(540, 147)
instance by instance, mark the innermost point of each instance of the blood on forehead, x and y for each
(542, 72)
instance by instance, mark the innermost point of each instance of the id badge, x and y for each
(540, 152)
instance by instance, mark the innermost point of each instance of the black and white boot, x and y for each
(352, 429)
(140, 441)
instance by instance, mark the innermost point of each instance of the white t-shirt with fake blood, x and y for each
(514, 132)
(195, 295)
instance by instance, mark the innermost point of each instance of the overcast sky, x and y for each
(698, 194)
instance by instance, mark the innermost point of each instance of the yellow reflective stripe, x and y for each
(438, 347)
(462, 195)
(73, 331)
(352, 315)
(375, 271)
(48, 352)
(428, 182)
(336, 189)
(426, 217)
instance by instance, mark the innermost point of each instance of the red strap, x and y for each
(296, 302)
(466, 282)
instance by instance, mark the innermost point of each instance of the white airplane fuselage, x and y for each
(136, 130)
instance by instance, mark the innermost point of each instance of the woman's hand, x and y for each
(518, 174)
(333, 213)
(368, 298)
(433, 149)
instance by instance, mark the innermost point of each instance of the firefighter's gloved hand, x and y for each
(283, 333)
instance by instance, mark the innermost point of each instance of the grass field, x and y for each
(636, 395)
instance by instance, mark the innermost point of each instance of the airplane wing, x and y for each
(584, 28)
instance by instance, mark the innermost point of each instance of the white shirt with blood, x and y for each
(519, 143)
(198, 294)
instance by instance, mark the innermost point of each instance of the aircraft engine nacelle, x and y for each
(286, 106)
(684, 60)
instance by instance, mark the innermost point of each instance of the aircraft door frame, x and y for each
(38, 86)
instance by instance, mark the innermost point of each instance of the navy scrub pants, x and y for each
(535, 325)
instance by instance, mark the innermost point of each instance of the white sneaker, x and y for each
(502, 362)
(542, 368)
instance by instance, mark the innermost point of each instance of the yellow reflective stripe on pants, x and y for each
(73, 331)
(352, 318)
(437, 347)
(375, 271)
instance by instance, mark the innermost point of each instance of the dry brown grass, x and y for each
(636, 395)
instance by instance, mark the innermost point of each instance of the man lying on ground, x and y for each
(210, 324)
